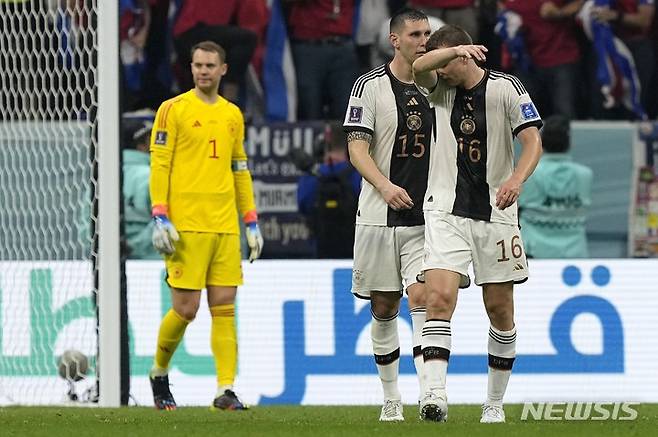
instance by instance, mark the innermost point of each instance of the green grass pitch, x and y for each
(295, 421)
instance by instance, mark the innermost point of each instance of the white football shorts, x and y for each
(496, 249)
(386, 258)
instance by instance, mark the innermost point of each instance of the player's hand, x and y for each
(164, 234)
(508, 193)
(254, 240)
(474, 51)
(396, 197)
(254, 237)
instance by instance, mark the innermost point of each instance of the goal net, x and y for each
(48, 103)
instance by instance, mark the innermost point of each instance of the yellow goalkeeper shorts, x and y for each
(202, 259)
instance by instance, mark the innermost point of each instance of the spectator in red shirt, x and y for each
(550, 37)
(325, 57)
(236, 25)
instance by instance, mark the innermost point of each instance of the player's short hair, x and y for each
(555, 136)
(448, 36)
(397, 21)
(209, 46)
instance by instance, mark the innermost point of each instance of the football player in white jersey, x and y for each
(390, 126)
(470, 205)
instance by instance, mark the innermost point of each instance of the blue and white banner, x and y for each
(585, 333)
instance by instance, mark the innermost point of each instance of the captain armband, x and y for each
(240, 165)
(359, 135)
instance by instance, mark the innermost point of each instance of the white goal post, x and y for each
(109, 334)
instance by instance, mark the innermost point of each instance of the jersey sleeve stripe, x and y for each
(162, 122)
(518, 86)
(537, 123)
(496, 75)
(357, 89)
(515, 80)
(368, 74)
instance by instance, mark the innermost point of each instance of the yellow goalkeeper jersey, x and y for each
(198, 164)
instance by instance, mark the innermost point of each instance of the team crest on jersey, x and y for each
(528, 110)
(161, 137)
(414, 122)
(356, 113)
(467, 126)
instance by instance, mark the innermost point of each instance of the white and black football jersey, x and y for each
(401, 123)
(474, 151)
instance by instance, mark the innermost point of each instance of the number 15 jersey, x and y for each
(401, 123)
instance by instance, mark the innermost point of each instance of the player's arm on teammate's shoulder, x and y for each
(358, 143)
(531, 151)
(244, 191)
(423, 75)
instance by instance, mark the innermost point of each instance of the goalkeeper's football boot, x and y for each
(162, 397)
(492, 414)
(229, 401)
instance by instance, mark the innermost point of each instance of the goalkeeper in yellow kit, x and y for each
(198, 175)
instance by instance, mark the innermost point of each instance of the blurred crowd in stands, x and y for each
(297, 59)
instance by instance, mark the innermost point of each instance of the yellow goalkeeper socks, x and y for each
(224, 344)
(171, 332)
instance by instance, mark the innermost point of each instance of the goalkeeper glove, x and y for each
(254, 237)
(164, 232)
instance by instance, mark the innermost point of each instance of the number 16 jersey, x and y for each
(474, 150)
(401, 123)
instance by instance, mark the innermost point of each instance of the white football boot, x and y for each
(492, 414)
(434, 407)
(391, 411)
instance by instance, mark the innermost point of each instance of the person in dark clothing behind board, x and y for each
(328, 193)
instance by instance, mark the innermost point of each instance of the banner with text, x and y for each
(275, 185)
(585, 332)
